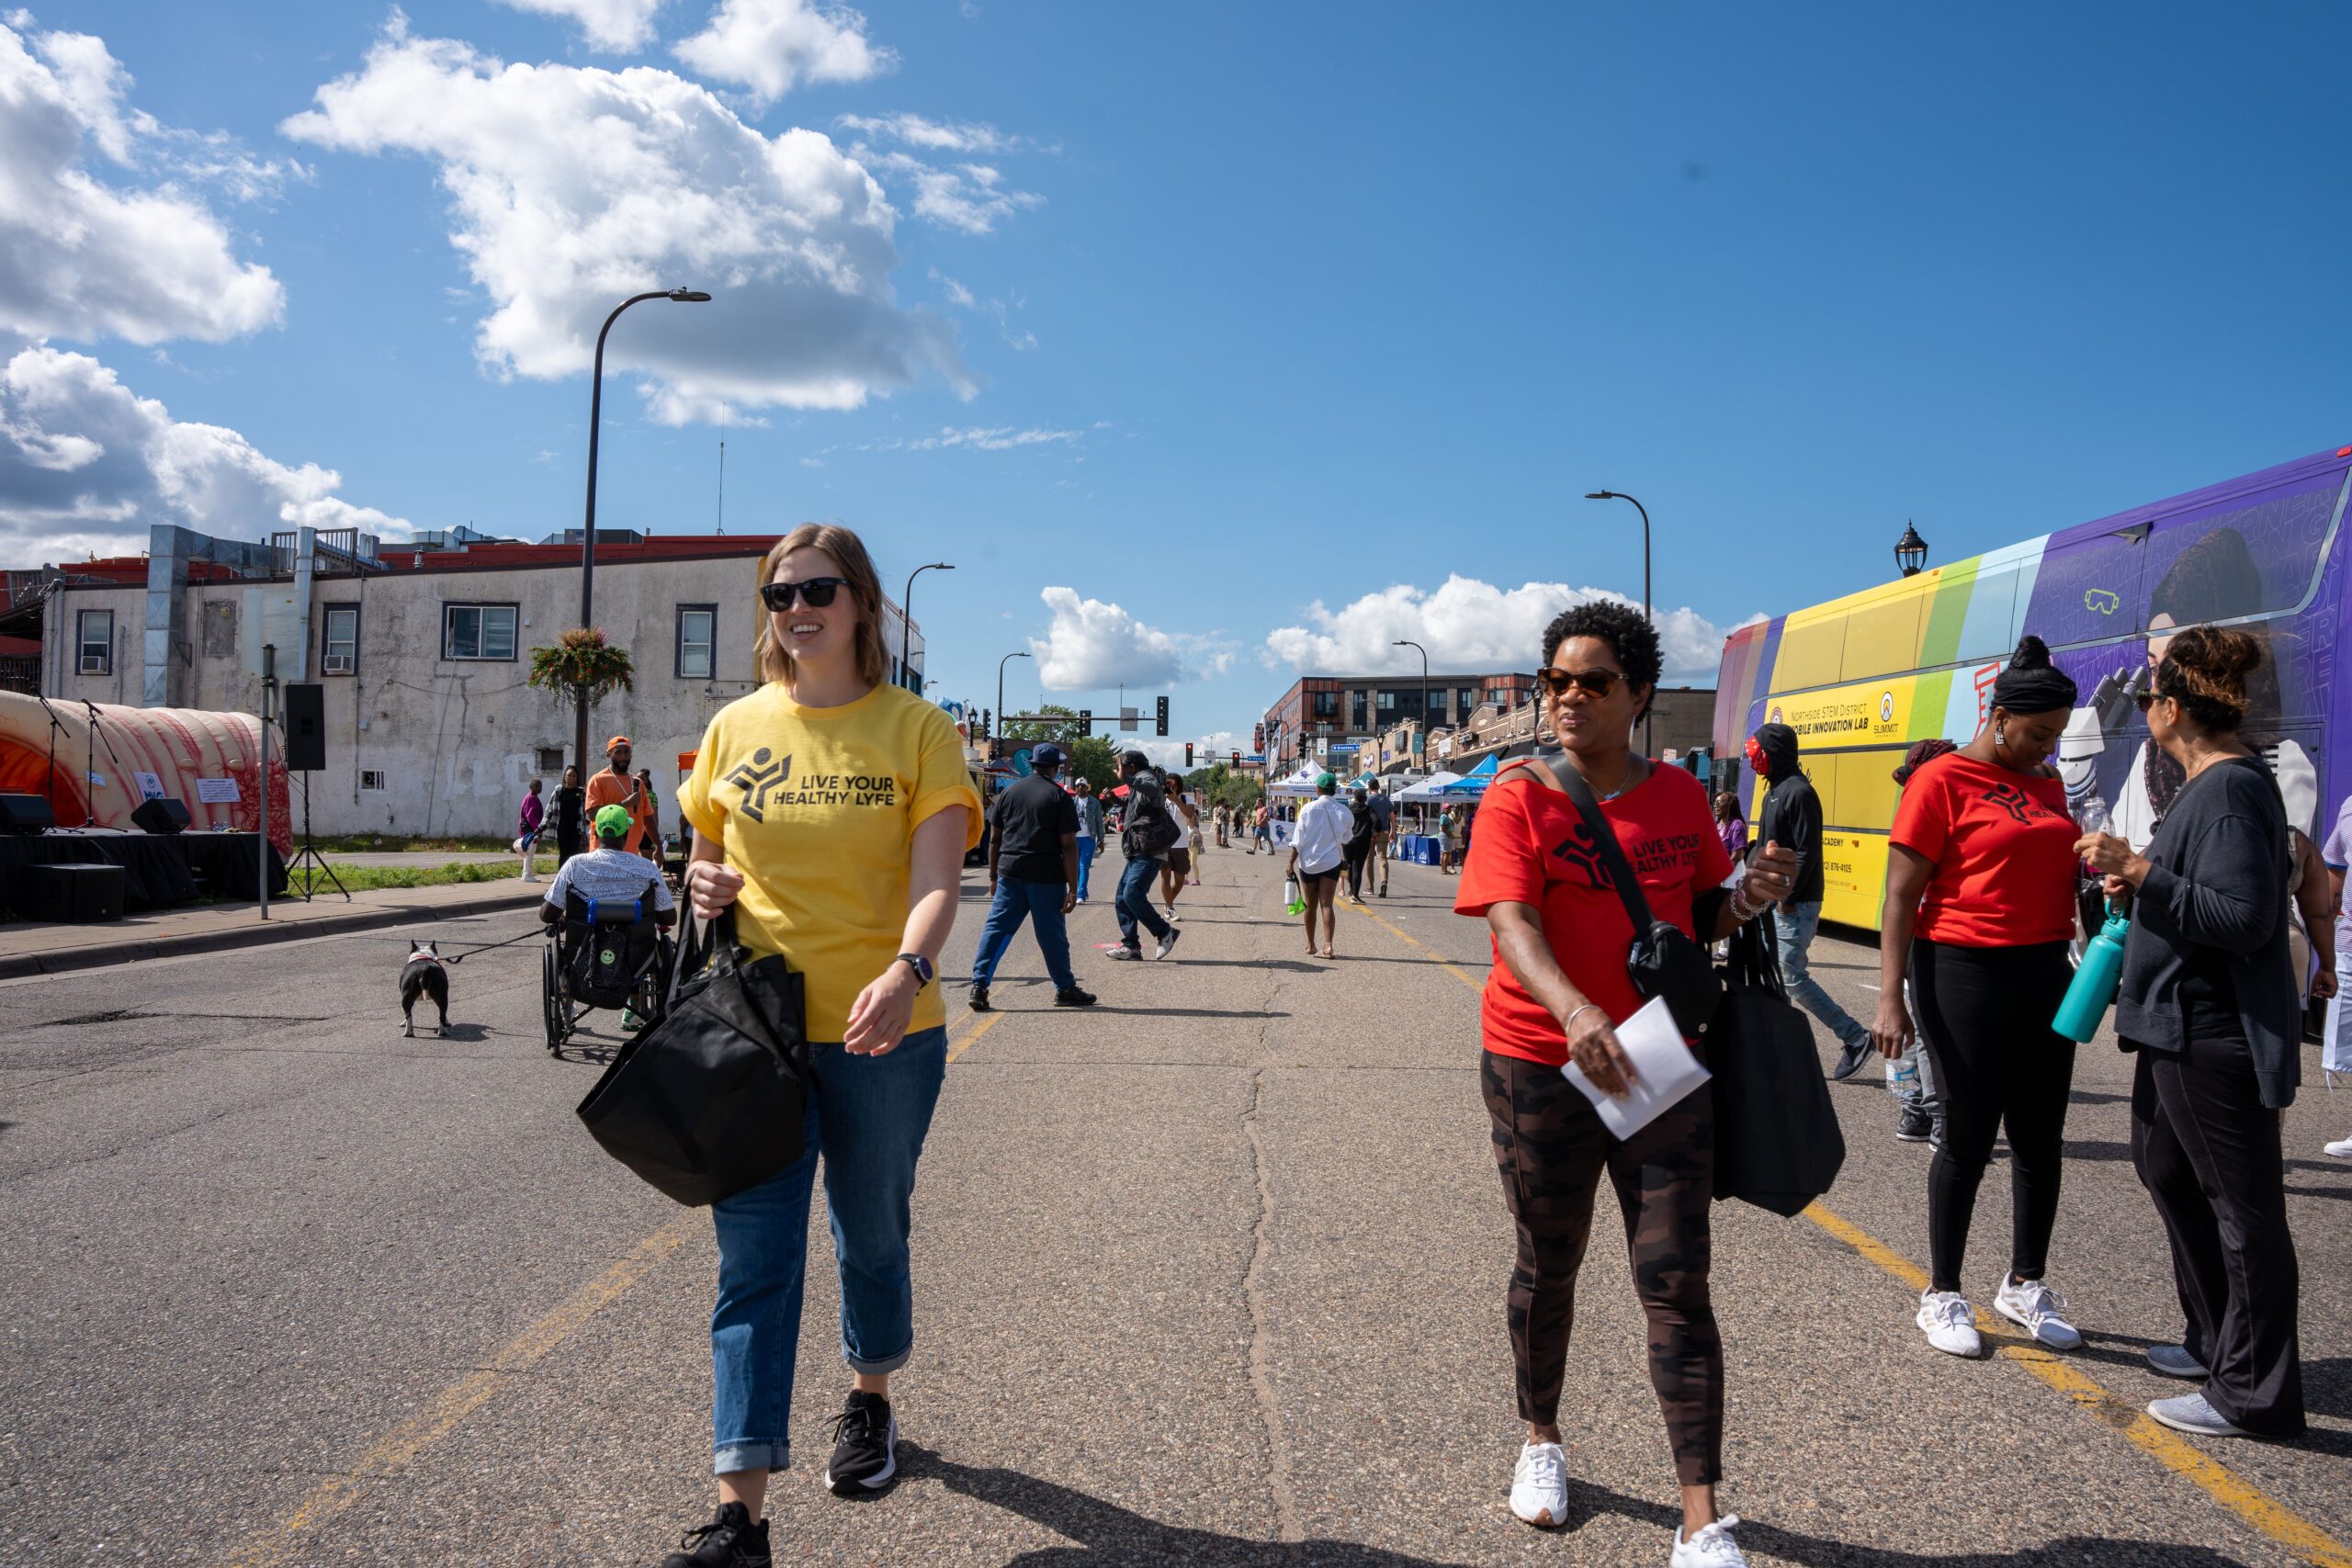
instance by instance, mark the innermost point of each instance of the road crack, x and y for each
(1261, 1355)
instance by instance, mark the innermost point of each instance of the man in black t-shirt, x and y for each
(1384, 817)
(1033, 868)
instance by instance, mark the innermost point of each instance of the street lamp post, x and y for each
(588, 534)
(1648, 719)
(907, 613)
(1408, 642)
(1910, 551)
(999, 688)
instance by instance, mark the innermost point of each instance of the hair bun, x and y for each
(2207, 667)
(2033, 654)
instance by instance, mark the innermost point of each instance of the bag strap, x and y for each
(1613, 854)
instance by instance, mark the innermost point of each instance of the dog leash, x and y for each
(461, 957)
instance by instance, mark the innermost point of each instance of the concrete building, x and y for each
(422, 649)
(1328, 716)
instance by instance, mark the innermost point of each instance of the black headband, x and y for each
(2041, 690)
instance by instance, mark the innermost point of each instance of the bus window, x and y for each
(1810, 654)
(1987, 630)
(2243, 560)
(1865, 787)
(2090, 589)
(1884, 640)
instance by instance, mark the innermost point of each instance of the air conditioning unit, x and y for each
(336, 664)
(93, 664)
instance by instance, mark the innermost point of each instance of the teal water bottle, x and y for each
(2096, 981)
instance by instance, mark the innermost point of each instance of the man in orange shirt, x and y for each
(614, 786)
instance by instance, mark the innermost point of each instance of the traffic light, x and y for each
(983, 735)
(1188, 756)
(1086, 721)
(1258, 737)
(1163, 713)
(1237, 759)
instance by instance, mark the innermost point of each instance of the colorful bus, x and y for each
(1861, 677)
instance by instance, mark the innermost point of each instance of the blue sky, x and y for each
(1209, 343)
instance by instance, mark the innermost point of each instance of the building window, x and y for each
(551, 759)
(1327, 705)
(1463, 701)
(341, 654)
(371, 778)
(698, 634)
(1387, 702)
(94, 637)
(1358, 722)
(478, 631)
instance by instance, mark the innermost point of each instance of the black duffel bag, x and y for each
(710, 1100)
(1778, 1145)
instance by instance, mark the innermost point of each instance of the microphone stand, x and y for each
(55, 723)
(112, 755)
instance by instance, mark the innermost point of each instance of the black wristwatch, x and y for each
(923, 966)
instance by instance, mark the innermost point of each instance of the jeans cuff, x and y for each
(750, 1456)
(876, 1367)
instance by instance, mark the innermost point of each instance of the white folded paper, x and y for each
(1665, 1067)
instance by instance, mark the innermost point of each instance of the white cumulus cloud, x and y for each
(87, 465)
(1003, 438)
(82, 257)
(1470, 627)
(573, 188)
(1090, 645)
(617, 27)
(932, 135)
(768, 47)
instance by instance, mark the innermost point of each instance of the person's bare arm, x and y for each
(1771, 871)
(1592, 1039)
(879, 1019)
(2315, 898)
(1070, 872)
(1907, 873)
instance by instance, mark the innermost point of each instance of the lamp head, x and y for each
(1601, 495)
(689, 296)
(1910, 551)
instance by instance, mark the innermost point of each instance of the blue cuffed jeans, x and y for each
(869, 1116)
(1795, 932)
(1085, 864)
(1018, 899)
(1134, 905)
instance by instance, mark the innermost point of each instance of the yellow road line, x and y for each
(285, 1541)
(987, 1022)
(2136, 1427)
(1402, 935)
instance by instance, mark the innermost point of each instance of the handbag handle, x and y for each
(1613, 854)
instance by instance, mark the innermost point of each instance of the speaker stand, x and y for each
(308, 855)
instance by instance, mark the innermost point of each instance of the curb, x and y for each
(258, 934)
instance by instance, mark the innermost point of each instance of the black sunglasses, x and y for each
(816, 593)
(2143, 701)
(1594, 683)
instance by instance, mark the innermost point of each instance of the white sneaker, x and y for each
(2040, 1310)
(1538, 1485)
(1713, 1547)
(2341, 1148)
(1950, 1323)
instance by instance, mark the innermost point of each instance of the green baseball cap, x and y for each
(613, 821)
(1326, 781)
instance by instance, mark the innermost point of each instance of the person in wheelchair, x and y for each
(610, 878)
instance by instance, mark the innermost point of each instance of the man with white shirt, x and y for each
(1316, 853)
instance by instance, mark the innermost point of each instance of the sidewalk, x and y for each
(27, 949)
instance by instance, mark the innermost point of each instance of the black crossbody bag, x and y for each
(1664, 961)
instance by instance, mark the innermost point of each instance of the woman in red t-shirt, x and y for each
(1557, 989)
(1981, 876)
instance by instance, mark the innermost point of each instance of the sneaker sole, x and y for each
(1903, 1137)
(2182, 1375)
(2191, 1427)
(1543, 1520)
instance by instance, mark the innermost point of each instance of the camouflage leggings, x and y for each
(1552, 1147)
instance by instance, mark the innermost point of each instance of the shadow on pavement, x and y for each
(1105, 1533)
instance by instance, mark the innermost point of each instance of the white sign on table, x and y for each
(151, 787)
(217, 791)
(1665, 1070)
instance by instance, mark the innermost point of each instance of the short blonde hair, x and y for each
(848, 552)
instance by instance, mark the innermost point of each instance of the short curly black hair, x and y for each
(1627, 632)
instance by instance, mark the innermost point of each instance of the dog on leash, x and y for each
(424, 976)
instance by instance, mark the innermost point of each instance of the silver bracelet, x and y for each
(1589, 1007)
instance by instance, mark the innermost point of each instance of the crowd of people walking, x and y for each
(1985, 870)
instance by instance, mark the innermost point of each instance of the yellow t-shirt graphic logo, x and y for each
(757, 776)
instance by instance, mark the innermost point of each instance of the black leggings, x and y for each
(1985, 1015)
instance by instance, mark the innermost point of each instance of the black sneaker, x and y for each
(1074, 998)
(1914, 1125)
(1850, 1059)
(730, 1540)
(865, 1446)
(1167, 943)
(979, 1001)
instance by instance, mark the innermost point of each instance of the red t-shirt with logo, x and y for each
(1531, 847)
(2003, 849)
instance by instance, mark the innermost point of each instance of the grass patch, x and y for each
(395, 843)
(372, 879)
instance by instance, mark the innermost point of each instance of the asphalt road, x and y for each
(1212, 1274)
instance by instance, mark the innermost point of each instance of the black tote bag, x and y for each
(1778, 1145)
(709, 1101)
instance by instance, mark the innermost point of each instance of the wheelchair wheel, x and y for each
(555, 1007)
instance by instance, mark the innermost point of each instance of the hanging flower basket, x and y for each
(581, 657)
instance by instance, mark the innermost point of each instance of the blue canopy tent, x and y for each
(1475, 782)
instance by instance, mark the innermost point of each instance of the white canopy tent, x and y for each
(1300, 782)
(1429, 788)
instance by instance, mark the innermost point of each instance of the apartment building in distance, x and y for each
(422, 648)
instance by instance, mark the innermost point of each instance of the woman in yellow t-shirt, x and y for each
(831, 812)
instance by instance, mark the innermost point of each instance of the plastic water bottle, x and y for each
(2097, 979)
(1902, 1078)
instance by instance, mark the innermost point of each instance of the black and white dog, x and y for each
(422, 976)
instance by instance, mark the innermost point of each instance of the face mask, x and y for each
(1755, 755)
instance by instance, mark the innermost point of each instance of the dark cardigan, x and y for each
(2218, 882)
